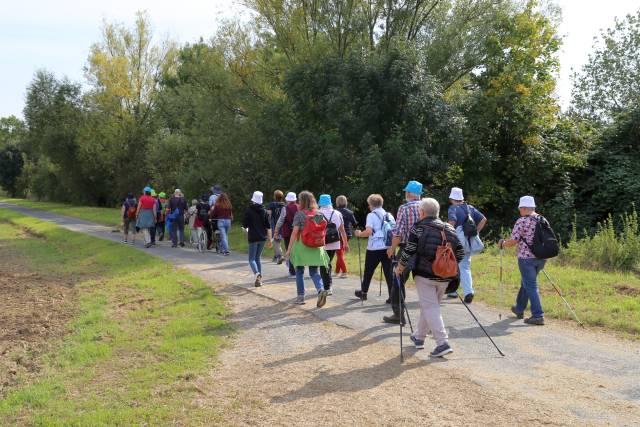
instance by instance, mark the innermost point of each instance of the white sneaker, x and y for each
(330, 291)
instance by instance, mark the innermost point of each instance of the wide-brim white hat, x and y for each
(291, 197)
(257, 197)
(456, 194)
(527, 202)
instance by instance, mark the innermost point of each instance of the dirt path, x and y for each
(340, 365)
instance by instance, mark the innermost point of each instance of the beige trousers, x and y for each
(430, 294)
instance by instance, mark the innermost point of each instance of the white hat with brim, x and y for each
(177, 191)
(456, 194)
(291, 197)
(527, 202)
(257, 197)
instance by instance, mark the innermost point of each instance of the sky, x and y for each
(56, 35)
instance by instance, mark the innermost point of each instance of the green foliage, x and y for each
(609, 248)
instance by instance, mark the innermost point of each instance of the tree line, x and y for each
(346, 97)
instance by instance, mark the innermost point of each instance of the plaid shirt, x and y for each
(408, 214)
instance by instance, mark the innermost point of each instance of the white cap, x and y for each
(291, 197)
(456, 194)
(177, 191)
(257, 197)
(527, 202)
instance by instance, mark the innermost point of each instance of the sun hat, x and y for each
(257, 197)
(527, 202)
(325, 200)
(146, 189)
(456, 194)
(216, 189)
(413, 187)
(162, 195)
(291, 197)
(177, 191)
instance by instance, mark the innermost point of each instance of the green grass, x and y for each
(600, 298)
(142, 332)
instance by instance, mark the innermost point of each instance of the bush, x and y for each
(608, 248)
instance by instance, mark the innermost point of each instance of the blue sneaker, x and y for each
(418, 343)
(441, 350)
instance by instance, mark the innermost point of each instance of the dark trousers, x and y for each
(160, 230)
(152, 232)
(325, 272)
(371, 261)
(292, 270)
(177, 230)
(395, 294)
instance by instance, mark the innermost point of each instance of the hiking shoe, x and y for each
(330, 291)
(174, 246)
(468, 298)
(514, 311)
(280, 260)
(441, 350)
(361, 295)
(534, 321)
(418, 343)
(452, 295)
(226, 254)
(299, 300)
(182, 245)
(148, 245)
(322, 298)
(394, 319)
(125, 242)
(344, 276)
(388, 301)
(258, 281)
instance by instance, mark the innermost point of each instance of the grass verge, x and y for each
(142, 332)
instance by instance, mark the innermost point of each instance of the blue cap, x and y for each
(414, 187)
(147, 189)
(325, 200)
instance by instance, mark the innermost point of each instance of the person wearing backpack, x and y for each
(536, 243)
(273, 210)
(335, 237)
(128, 215)
(306, 246)
(258, 229)
(408, 214)
(468, 222)
(201, 217)
(145, 215)
(179, 204)
(434, 251)
(349, 224)
(284, 226)
(378, 230)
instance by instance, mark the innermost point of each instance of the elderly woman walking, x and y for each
(256, 224)
(522, 235)
(425, 237)
(302, 255)
(145, 216)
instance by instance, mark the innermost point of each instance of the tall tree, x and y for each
(12, 132)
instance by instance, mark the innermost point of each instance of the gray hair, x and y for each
(341, 201)
(430, 207)
(375, 200)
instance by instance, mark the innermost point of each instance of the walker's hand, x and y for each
(399, 269)
(390, 252)
(287, 255)
(269, 244)
(346, 247)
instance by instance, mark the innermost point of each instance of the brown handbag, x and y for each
(445, 264)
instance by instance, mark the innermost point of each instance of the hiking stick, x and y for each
(380, 282)
(575, 316)
(403, 302)
(360, 268)
(479, 324)
(501, 283)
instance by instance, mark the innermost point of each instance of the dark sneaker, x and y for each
(534, 321)
(441, 350)
(299, 300)
(258, 281)
(418, 343)
(174, 246)
(518, 314)
(361, 295)
(322, 298)
(452, 295)
(280, 260)
(124, 241)
(182, 245)
(388, 301)
(468, 298)
(393, 319)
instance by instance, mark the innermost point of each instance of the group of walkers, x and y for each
(153, 213)
(314, 233)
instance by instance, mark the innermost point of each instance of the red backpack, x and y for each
(315, 227)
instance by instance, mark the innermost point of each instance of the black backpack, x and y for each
(469, 227)
(331, 234)
(544, 245)
(203, 213)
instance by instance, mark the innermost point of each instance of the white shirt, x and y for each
(212, 199)
(327, 211)
(374, 220)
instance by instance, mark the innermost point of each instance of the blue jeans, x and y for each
(529, 269)
(255, 252)
(315, 276)
(177, 230)
(466, 281)
(224, 225)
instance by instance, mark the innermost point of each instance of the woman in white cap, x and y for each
(458, 214)
(256, 224)
(529, 265)
(284, 226)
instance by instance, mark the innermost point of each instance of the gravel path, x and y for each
(340, 364)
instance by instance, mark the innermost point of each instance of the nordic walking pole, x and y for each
(479, 324)
(360, 268)
(404, 304)
(575, 316)
(380, 282)
(501, 282)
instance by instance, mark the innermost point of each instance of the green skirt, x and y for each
(302, 255)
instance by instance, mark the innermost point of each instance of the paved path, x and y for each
(587, 373)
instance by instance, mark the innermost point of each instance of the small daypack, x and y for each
(315, 226)
(445, 264)
(387, 225)
(469, 226)
(132, 207)
(331, 234)
(287, 226)
(545, 244)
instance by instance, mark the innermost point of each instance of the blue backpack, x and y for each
(387, 226)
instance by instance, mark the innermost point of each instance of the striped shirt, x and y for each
(408, 214)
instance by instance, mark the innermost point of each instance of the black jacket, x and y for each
(257, 221)
(349, 221)
(424, 238)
